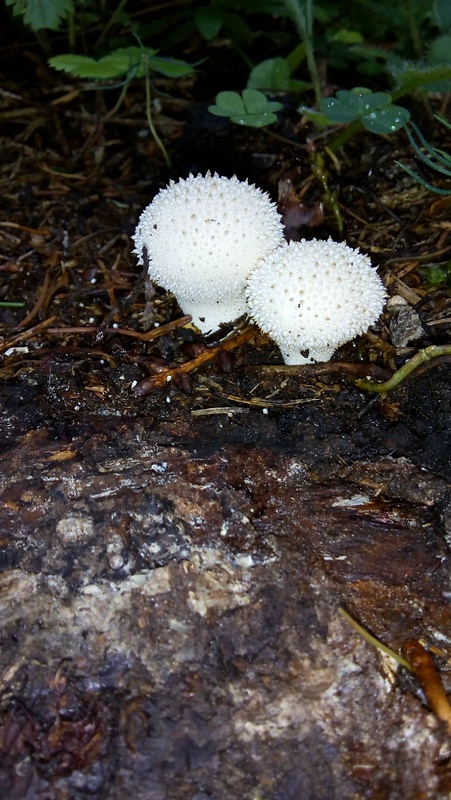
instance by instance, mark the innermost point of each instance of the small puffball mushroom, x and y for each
(203, 235)
(313, 296)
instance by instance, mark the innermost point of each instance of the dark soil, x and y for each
(175, 552)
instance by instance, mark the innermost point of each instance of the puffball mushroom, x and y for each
(313, 296)
(203, 235)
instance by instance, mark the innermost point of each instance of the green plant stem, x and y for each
(410, 15)
(111, 21)
(348, 132)
(443, 159)
(373, 640)
(436, 159)
(71, 31)
(422, 357)
(44, 41)
(429, 186)
(303, 17)
(321, 173)
(152, 126)
(119, 102)
(241, 52)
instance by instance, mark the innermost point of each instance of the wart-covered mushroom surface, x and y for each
(311, 297)
(203, 236)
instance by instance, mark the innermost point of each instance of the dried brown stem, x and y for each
(155, 333)
(31, 333)
(167, 374)
(427, 675)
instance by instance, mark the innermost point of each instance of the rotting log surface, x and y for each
(172, 572)
(170, 627)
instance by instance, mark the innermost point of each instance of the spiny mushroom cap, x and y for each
(313, 296)
(203, 235)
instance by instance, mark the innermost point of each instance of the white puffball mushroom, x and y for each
(311, 297)
(203, 236)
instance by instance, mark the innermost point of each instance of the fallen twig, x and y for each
(167, 374)
(24, 336)
(422, 665)
(155, 333)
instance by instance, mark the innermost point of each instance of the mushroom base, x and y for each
(295, 355)
(208, 316)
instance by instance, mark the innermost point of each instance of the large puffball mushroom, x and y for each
(203, 235)
(311, 297)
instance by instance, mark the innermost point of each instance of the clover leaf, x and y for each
(375, 110)
(251, 108)
(386, 120)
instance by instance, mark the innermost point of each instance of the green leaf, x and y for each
(255, 120)
(228, 104)
(170, 67)
(296, 57)
(110, 66)
(317, 117)
(117, 63)
(273, 7)
(375, 110)
(386, 120)
(19, 6)
(440, 50)
(435, 274)
(252, 108)
(40, 14)
(299, 86)
(347, 105)
(133, 59)
(362, 100)
(369, 52)
(125, 60)
(209, 21)
(336, 111)
(347, 37)
(438, 86)
(442, 10)
(410, 76)
(238, 29)
(272, 74)
(257, 103)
